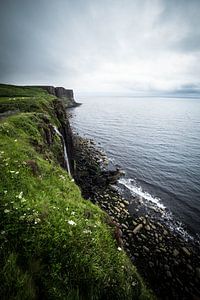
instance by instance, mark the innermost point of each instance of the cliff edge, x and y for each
(66, 95)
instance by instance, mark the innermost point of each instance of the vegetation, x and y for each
(53, 243)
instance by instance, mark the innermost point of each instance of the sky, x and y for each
(107, 46)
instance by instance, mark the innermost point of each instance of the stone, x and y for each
(124, 226)
(165, 232)
(137, 228)
(151, 264)
(122, 205)
(198, 272)
(175, 252)
(189, 267)
(117, 209)
(169, 274)
(143, 236)
(146, 249)
(186, 251)
(147, 227)
(126, 202)
(166, 267)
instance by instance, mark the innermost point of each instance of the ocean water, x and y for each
(156, 141)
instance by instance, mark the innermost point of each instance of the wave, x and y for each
(155, 203)
(130, 184)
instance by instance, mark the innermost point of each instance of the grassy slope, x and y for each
(53, 243)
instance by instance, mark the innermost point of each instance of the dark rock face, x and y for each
(66, 95)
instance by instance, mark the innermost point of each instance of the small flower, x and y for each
(17, 172)
(6, 211)
(5, 192)
(119, 249)
(70, 222)
(16, 140)
(87, 231)
(20, 195)
(72, 213)
(12, 172)
(37, 220)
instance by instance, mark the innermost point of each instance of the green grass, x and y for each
(53, 243)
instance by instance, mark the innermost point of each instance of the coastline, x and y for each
(168, 263)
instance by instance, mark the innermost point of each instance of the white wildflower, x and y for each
(20, 195)
(37, 220)
(70, 222)
(16, 140)
(87, 231)
(119, 249)
(5, 192)
(6, 211)
(17, 172)
(73, 213)
(12, 172)
(23, 200)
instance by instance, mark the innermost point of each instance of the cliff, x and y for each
(66, 95)
(54, 243)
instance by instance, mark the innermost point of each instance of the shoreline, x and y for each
(169, 264)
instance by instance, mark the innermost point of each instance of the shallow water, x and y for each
(156, 141)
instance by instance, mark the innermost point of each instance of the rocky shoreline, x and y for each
(168, 263)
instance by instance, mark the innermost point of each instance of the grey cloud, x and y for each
(108, 44)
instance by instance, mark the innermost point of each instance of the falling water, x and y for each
(65, 150)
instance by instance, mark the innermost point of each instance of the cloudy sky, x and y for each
(101, 45)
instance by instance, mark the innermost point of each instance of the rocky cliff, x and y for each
(66, 95)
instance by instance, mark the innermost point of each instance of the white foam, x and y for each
(154, 202)
(134, 189)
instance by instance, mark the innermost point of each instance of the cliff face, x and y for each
(66, 95)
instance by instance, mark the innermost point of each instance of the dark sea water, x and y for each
(157, 142)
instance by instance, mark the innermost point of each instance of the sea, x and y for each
(156, 141)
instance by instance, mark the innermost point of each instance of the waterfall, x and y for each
(64, 149)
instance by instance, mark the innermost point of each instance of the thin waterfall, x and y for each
(65, 150)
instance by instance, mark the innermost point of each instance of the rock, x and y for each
(124, 226)
(189, 267)
(186, 251)
(147, 227)
(166, 267)
(151, 264)
(117, 209)
(146, 249)
(169, 274)
(144, 221)
(198, 272)
(126, 202)
(143, 236)
(175, 252)
(137, 228)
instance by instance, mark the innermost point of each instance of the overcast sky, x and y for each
(101, 45)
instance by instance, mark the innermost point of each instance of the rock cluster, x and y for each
(170, 265)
